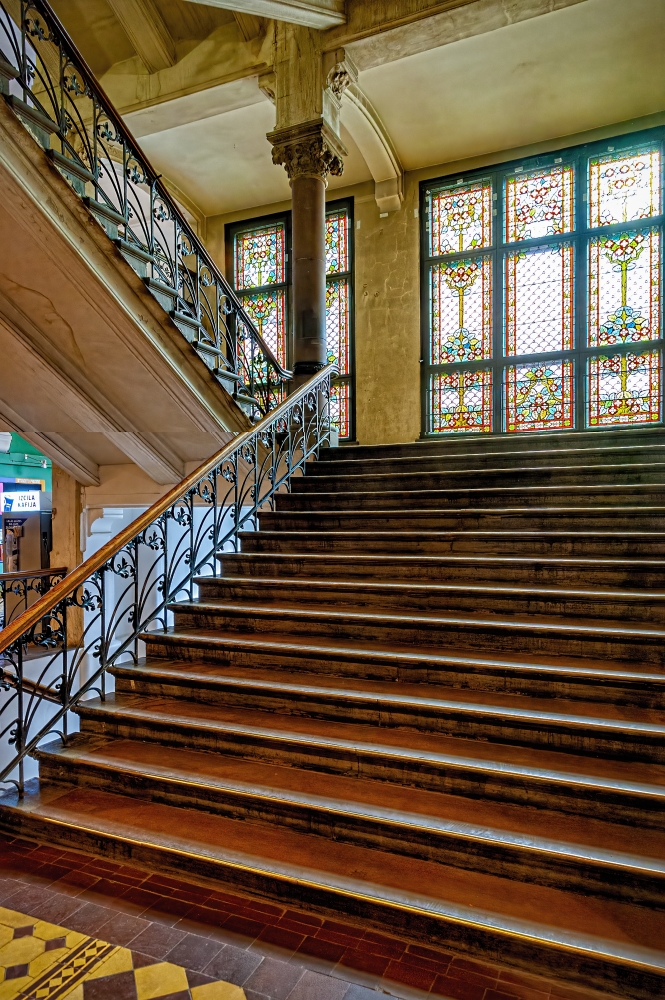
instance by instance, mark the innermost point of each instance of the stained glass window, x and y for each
(338, 315)
(539, 203)
(461, 297)
(461, 218)
(461, 401)
(539, 300)
(539, 396)
(547, 273)
(624, 389)
(624, 288)
(260, 262)
(624, 186)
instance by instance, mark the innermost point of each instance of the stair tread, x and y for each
(442, 559)
(395, 653)
(543, 469)
(502, 823)
(534, 623)
(179, 711)
(434, 587)
(466, 533)
(624, 931)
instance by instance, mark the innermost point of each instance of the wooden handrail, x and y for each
(31, 574)
(13, 632)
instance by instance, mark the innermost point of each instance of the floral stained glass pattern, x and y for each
(624, 186)
(461, 218)
(337, 242)
(539, 300)
(340, 408)
(268, 310)
(337, 323)
(461, 302)
(624, 389)
(260, 257)
(624, 288)
(539, 203)
(461, 401)
(539, 397)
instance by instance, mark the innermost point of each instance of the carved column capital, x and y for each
(310, 149)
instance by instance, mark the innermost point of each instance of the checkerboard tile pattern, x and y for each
(240, 947)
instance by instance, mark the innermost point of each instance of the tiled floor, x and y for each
(271, 952)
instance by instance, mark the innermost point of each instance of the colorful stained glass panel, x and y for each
(539, 397)
(461, 218)
(461, 302)
(337, 323)
(624, 186)
(340, 400)
(268, 310)
(461, 401)
(624, 389)
(539, 203)
(624, 288)
(539, 300)
(260, 257)
(337, 243)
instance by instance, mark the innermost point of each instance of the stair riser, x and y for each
(453, 850)
(589, 970)
(462, 569)
(548, 547)
(513, 638)
(458, 675)
(489, 602)
(458, 499)
(549, 735)
(472, 479)
(535, 520)
(504, 460)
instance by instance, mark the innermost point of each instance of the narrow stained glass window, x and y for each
(337, 246)
(461, 218)
(260, 261)
(461, 298)
(461, 401)
(337, 323)
(624, 186)
(539, 300)
(340, 408)
(624, 288)
(624, 389)
(539, 396)
(539, 203)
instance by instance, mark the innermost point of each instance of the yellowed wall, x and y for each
(387, 287)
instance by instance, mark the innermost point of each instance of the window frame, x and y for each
(580, 238)
(232, 229)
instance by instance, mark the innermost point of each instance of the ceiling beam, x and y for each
(371, 137)
(54, 446)
(312, 13)
(147, 31)
(249, 25)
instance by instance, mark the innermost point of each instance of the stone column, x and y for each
(307, 88)
(309, 151)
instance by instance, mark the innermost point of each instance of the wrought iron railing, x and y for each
(96, 616)
(56, 96)
(19, 590)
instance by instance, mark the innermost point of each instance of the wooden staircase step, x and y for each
(650, 544)
(256, 714)
(399, 595)
(599, 942)
(176, 654)
(593, 856)
(472, 569)
(596, 641)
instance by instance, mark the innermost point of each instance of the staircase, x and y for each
(427, 695)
